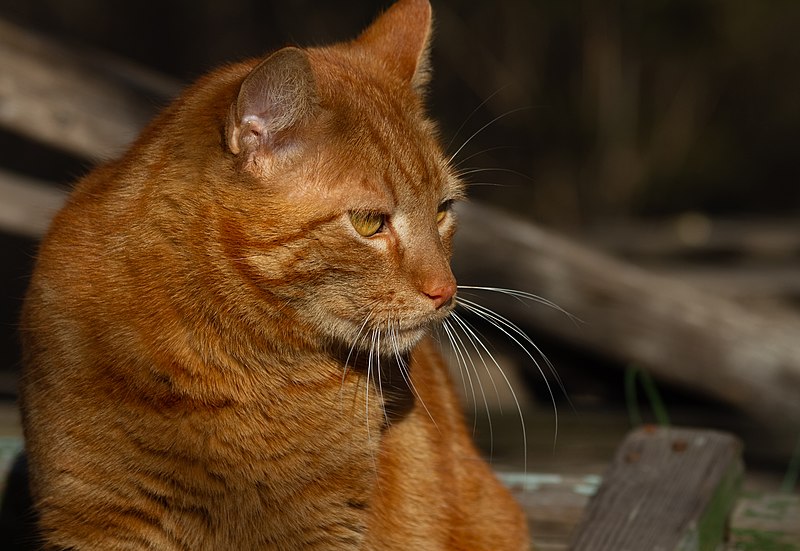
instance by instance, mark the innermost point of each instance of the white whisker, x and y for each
(404, 372)
(482, 128)
(461, 323)
(353, 346)
(520, 295)
(467, 172)
(509, 329)
(483, 151)
(487, 184)
(464, 354)
(516, 403)
(524, 295)
(497, 320)
(459, 358)
(466, 120)
(473, 336)
(379, 378)
(368, 389)
(369, 376)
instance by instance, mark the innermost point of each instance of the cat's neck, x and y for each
(223, 362)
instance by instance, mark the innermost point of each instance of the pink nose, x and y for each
(441, 294)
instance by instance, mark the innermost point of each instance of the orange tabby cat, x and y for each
(221, 325)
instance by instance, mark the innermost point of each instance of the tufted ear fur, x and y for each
(273, 99)
(399, 38)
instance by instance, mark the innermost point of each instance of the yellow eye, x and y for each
(367, 223)
(444, 208)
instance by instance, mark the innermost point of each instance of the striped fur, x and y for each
(216, 360)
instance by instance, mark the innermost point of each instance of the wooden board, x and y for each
(553, 504)
(668, 489)
(766, 523)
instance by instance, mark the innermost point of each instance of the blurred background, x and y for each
(660, 138)
(609, 110)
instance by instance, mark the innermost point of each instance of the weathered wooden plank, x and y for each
(668, 489)
(766, 523)
(553, 504)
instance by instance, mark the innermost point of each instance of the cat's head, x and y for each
(349, 225)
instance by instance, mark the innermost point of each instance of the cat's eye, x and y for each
(444, 208)
(367, 223)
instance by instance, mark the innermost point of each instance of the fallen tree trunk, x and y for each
(677, 332)
(83, 102)
(27, 205)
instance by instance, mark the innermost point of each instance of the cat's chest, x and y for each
(305, 453)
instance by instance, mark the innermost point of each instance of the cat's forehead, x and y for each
(357, 183)
(371, 145)
(387, 166)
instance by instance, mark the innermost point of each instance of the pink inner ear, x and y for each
(276, 96)
(399, 38)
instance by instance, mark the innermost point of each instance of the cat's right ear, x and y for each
(273, 100)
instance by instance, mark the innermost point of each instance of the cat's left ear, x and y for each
(400, 38)
(273, 102)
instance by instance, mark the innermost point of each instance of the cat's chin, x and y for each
(406, 339)
(396, 342)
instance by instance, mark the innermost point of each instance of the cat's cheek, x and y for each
(384, 243)
(267, 269)
(447, 231)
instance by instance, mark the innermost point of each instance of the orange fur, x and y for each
(209, 354)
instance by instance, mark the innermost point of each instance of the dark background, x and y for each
(599, 114)
(609, 109)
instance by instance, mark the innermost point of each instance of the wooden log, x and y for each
(81, 101)
(667, 489)
(751, 284)
(696, 236)
(753, 260)
(679, 333)
(27, 205)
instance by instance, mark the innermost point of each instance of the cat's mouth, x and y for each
(390, 332)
